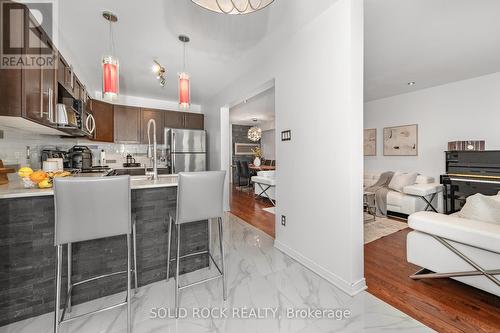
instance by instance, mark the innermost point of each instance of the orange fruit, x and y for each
(38, 176)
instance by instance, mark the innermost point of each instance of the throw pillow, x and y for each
(482, 208)
(402, 179)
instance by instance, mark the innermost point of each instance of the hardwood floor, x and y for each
(248, 208)
(442, 304)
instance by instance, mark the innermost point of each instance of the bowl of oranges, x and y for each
(39, 178)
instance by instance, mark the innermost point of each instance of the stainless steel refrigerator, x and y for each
(186, 150)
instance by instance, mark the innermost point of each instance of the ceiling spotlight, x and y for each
(160, 73)
(412, 83)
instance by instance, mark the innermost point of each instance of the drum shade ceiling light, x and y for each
(254, 133)
(235, 7)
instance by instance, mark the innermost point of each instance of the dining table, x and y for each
(262, 167)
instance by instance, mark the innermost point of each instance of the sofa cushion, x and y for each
(402, 179)
(482, 235)
(482, 208)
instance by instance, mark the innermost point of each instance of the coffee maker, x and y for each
(80, 158)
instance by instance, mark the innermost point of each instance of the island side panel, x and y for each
(27, 252)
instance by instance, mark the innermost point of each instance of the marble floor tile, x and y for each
(259, 278)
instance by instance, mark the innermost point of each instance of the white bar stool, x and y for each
(88, 209)
(199, 197)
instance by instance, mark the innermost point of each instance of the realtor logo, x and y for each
(28, 32)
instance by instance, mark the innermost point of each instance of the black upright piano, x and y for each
(468, 173)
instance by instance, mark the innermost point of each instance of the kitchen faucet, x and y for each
(152, 154)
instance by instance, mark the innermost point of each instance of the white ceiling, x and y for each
(260, 107)
(431, 42)
(148, 30)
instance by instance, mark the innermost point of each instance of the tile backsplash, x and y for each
(14, 151)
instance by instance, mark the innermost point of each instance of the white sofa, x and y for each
(409, 201)
(479, 241)
(265, 178)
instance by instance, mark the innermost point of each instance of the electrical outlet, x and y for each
(283, 220)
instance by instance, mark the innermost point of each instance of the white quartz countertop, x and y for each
(15, 189)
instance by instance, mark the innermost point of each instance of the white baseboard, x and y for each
(351, 289)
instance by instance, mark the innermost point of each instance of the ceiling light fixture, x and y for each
(184, 85)
(254, 132)
(110, 64)
(412, 83)
(236, 7)
(160, 73)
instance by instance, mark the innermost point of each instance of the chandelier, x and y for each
(254, 133)
(233, 6)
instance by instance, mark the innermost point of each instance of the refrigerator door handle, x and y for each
(172, 147)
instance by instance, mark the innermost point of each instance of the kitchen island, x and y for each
(28, 254)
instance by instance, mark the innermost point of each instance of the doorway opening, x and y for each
(253, 164)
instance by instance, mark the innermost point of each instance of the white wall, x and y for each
(318, 75)
(463, 110)
(268, 144)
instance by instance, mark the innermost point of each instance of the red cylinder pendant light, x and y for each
(110, 77)
(184, 84)
(184, 93)
(110, 64)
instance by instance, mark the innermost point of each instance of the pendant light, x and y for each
(184, 84)
(255, 132)
(110, 64)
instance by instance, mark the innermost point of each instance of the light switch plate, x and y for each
(283, 220)
(286, 135)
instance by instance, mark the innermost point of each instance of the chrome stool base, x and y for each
(59, 318)
(221, 270)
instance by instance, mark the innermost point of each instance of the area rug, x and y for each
(382, 227)
(271, 210)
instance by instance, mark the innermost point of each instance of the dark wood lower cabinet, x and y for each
(104, 121)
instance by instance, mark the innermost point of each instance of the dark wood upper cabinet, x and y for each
(194, 121)
(127, 124)
(174, 119)
(11, 92)
(36, 87)
(158, 116)
(104, 120)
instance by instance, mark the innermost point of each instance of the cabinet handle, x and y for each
(51, 109)
(90, 123)
(71, 77)
(41, 101)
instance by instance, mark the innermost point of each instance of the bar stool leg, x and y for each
(221, 240)
(129, 283)
(58, 288)
(168, 246)
(69, 277)
(177, 271)
(134, 235)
